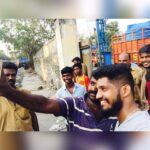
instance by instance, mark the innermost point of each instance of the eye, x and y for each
(92, 83)
(103, 88)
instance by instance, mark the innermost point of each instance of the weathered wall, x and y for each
(67, 41)
(57, 53)
(46, 64)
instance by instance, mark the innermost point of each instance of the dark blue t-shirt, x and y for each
(80, 118)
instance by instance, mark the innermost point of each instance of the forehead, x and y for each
(9, 70)
(144, 54)
(93, 79)
(67, 74)
(104, 82)
(76, 68)
(123, 57)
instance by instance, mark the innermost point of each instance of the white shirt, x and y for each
(78, 91)
(139, 121)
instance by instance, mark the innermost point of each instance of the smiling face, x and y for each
(77, 71)
(145, 60)
(109, 96)
(67, 78)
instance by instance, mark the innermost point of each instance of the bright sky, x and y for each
(86, 26)
(123, 23)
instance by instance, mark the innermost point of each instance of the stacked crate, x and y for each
(135, 38)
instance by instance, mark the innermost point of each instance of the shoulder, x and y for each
(61, 89)
(86, 77)
(79, 86)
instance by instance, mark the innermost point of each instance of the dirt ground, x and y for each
(32, 82)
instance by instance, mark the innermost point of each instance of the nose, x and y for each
(99, 95)
(10, 77)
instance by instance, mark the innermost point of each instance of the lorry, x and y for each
(136, 36)
(23, 62)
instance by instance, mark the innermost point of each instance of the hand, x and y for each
(4, 85)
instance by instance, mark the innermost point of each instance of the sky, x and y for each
(86, 26)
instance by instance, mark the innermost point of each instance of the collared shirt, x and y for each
(14, 117)
(78, 91)
(139, 121)
(80, 119)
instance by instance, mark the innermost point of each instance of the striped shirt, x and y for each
(80, 118)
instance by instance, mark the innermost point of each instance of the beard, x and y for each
(114, 110)
(12, 83)
(92, 97)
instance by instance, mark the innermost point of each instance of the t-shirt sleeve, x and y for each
(66, 107)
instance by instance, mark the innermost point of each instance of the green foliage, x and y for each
(111, 29)
(3, 56)
(27, 35)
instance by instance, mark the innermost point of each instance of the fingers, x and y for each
(2, 75)
(1, 68)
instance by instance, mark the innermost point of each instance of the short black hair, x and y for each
(10, 65)
(116, 72)
(145, 49)
(77, 59)
(67, 70)
(77, 65)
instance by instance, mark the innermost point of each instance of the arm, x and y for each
(35, 124)
(36, 103)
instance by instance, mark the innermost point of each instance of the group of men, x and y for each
(110, 94)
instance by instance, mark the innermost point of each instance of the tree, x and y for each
(3, 56)
(111, 29)
(27, 35)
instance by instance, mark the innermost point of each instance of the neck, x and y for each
(79, 75)
(94, 109)
(126, 111)
(70, 85)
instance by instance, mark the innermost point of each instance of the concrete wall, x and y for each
(67, 41)
(46, 64)
(57, 53)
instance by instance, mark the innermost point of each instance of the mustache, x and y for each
(96, 101)
(92, 92)
(12, 81)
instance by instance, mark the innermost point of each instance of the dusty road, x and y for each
(32, 82)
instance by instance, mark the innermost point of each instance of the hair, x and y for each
(145, 49)
(116, 72)
(76, 59)
(10, 65)
(67, 70)
(77, 65)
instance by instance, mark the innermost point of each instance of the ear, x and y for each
(125, 90)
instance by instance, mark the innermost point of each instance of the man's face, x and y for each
(145, 60)
(92, 91)
(77, 70)
(109, 97)
(67, 78)
(10, 76)
(124, 59)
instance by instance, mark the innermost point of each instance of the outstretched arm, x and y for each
(33, 102)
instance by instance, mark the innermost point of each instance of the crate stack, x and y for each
(136, 36)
